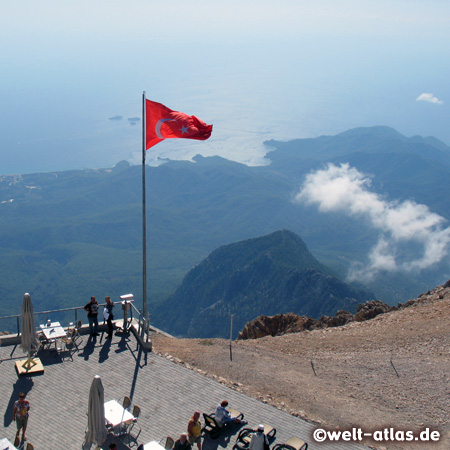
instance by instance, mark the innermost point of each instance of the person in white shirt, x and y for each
(223, 416)
(259, 439)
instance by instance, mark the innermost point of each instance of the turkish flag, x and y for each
(163, 123)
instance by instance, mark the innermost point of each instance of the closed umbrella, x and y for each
(29, 342)
(96, 431)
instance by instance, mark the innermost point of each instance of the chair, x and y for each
(77, 328)
(69, 345)
(245, 436)
(214, 427)
(211, 425)
(130, 439)
(136, 413)
(292, 444)
(126, 402)
(74, 330)
(126, 434)
(169, 443)
(235, 413)
(45, 343)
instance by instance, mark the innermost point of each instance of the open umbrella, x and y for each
(96, 431)
(29, 342)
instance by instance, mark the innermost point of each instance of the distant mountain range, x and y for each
(268, 275)
(65, 236)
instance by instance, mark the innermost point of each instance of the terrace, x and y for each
(166, 392)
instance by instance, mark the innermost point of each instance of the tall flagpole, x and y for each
(144, 231)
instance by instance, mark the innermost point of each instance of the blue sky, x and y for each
(256, 70)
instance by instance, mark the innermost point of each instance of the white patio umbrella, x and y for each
(96, 432)
(29, 342)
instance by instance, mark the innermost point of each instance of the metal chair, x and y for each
(169, 442)
(69, 345)
(136, 413)
(76, 333)
(126, 402)
(45, 343)
(127, 436)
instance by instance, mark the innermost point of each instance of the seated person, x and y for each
(259, 439)
(182, 443)
(223, 417)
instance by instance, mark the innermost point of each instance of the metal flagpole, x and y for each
(144, 231)
(231, 336)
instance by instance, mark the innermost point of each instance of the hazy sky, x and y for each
(256, 70)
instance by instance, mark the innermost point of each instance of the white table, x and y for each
(6, 445)
(54, 331)
(153, 445)
(116, 414)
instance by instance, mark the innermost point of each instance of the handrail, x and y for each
(138, 314)
(47, 312)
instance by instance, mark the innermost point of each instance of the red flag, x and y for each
(163, 123)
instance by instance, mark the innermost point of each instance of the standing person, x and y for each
(92, 310)
(20, 415)
(195, 430)
(110, 316)
(182, 443)
(259, 439)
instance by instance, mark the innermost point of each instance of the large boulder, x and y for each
(371, 309)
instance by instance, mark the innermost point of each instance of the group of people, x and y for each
(222, 417)
(92, 310)
(186, 440)
(259, 440)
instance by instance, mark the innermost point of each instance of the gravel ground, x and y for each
(391, 371)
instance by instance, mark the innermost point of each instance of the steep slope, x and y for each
(267, 275)
(391, 371)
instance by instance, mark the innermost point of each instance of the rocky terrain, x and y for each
(392, 370)
(293, 323)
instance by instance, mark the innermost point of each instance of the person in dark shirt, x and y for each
(182, 443)
(109, 316)
(92, 310)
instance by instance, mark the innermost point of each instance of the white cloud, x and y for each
(430, 98)
(411, 237)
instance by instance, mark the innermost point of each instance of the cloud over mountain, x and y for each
(411, 237)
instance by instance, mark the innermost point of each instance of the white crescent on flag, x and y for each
(158, 127)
